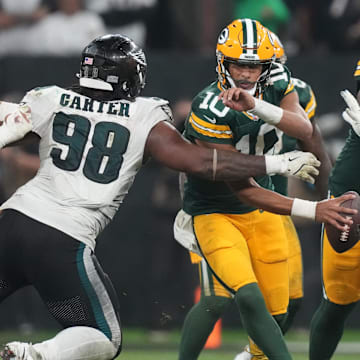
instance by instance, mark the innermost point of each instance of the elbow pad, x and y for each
(15, 122)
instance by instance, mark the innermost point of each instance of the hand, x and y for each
(237, 99)
(330, 212)
(15, 125)
(352, 112)
(301, 165)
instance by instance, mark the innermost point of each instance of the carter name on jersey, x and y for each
(86, 104)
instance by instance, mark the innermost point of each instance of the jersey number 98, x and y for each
(103, 160)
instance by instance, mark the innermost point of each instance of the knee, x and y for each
(334, 312)
(294, 305)
(248, 297)
(216, 305)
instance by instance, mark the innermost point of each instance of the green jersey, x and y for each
(357, 76)
(211, 121)
(308, 103)
(346, 171)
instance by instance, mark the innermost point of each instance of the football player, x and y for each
(245, 249)
(316, 146)
(340, 271)
(93, 140)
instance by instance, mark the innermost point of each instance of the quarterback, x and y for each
(93, 139)
(316, 146)
(245, 248)
(340, 272)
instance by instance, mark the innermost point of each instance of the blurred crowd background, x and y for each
(61, 27)
(40, 43)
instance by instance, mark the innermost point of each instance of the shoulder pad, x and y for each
(301, 84)
(279, 72)
(44, 91)
(155, 101)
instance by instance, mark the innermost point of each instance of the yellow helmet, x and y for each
(244, 41)
(279, 49)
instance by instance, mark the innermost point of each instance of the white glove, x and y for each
(298, 164)
(184, 232)
(15, 124)
(352, 112)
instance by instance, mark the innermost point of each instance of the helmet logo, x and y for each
(112, 79)
(223, 37)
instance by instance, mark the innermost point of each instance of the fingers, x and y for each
(338, 225)
(350, 116)
(345, 220)
(307, 178)
(350, 100)
(311, 159)
(230, 94)
(347, 210)
(343, 198)
(309, 170)
(345, 115)
(314, 161)
(312, 170)
(306, 172)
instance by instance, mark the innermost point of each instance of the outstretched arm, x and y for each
(288, 117)
(166, 145)
(328, 211)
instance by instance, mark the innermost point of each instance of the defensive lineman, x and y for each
(93, 140)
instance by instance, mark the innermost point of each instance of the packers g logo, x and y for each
(224, 35)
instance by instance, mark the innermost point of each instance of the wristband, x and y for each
(270, 113)
(275, 164)
(304, 208)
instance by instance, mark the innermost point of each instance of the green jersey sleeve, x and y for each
(357, 76)
(281, 81)
(306, 97)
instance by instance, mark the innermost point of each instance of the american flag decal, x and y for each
(88, 61)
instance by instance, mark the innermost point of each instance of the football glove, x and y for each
(15, 122)
(298, 164)
(352, 112)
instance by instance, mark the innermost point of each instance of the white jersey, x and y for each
(90, 152)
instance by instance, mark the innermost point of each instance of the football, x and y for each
(345, 240)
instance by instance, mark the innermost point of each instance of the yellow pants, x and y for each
(295, 260)
(245, 248)
(341, 273)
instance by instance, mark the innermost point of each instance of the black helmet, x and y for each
(113, 63)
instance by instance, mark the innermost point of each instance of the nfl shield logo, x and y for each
(88, 61)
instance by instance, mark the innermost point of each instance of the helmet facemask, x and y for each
(244, 41)
(228, 82)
